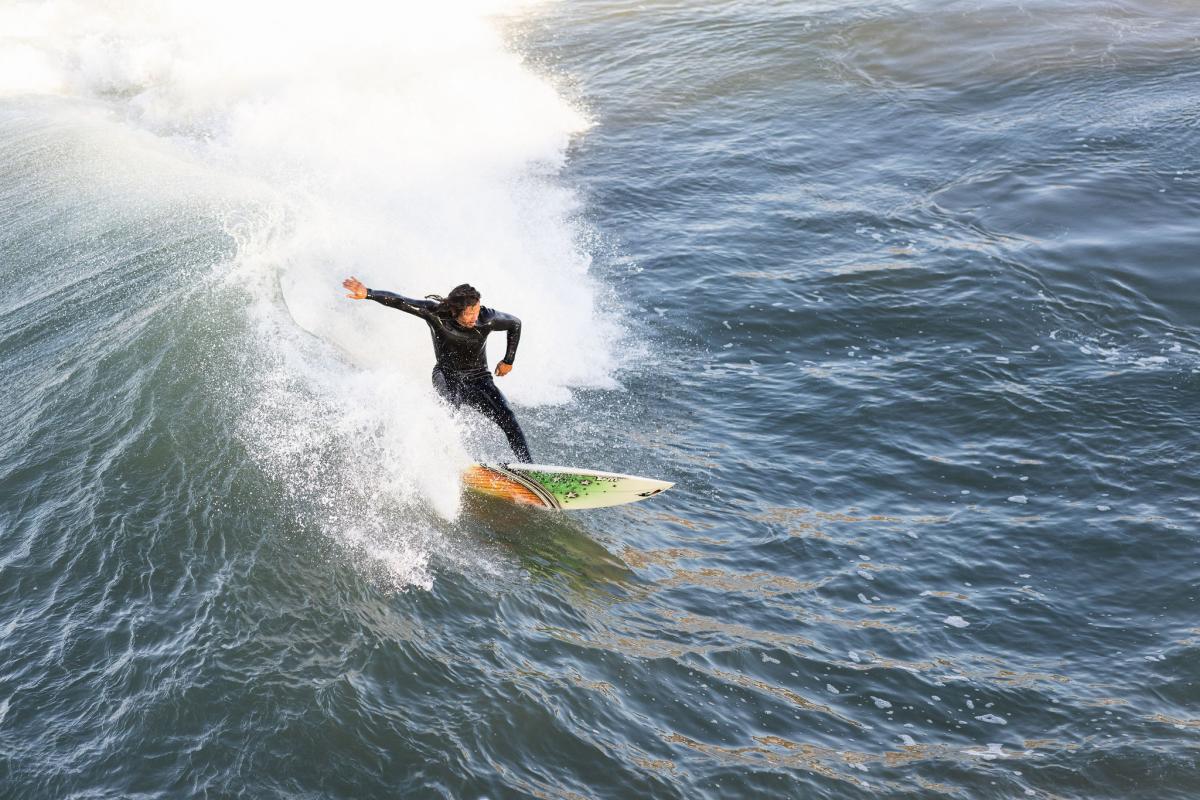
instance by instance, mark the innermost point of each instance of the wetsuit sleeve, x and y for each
(507, 322)
(420, 308)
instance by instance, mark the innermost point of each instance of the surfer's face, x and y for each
(468, 316)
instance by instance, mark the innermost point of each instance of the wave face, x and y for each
(407, 146)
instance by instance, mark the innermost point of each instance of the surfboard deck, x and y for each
(565, 488)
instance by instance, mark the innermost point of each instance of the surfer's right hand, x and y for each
(357, 290)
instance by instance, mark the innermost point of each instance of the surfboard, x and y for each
(566, 488)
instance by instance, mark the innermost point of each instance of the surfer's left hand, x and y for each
(503, 369)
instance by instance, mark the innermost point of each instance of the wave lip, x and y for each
(407, 145)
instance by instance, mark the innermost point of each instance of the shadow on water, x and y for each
(551, 546)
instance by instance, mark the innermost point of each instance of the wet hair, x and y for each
(462, 296)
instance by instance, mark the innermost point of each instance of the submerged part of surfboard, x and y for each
(566, 488)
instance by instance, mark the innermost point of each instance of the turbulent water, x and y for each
(901, 295)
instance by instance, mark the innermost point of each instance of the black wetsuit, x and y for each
(461, 373)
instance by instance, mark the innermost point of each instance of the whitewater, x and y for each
(408, 146)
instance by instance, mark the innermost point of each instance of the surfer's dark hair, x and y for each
(462, 296)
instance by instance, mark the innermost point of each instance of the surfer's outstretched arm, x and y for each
(421, 308)
(358, 291)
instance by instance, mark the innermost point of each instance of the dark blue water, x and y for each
(898, 294)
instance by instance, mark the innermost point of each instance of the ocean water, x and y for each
(901, 294)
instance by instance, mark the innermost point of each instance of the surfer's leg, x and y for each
(448, 389)
(485, 397)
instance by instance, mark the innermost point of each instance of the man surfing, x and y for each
(460, 326)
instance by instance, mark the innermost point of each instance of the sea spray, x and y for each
(405, 145)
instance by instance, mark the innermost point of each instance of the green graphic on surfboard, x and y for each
(565, 488)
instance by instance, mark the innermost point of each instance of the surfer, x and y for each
(460, 326)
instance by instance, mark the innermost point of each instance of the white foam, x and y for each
(994, 751)
(402, 143)
(26, 70)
